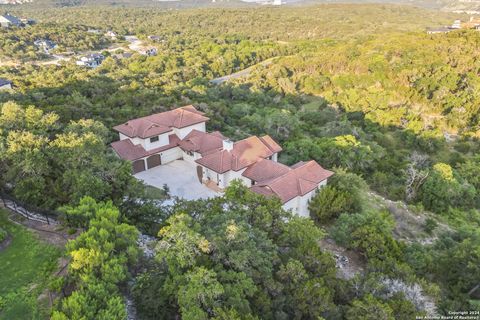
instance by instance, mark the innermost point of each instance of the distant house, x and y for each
(111, 34)
(45, 45)
(124, 55)
(180, 134)
(457, 24)
(28, 21)
(438, 30)
(91, 61)
(7, 20)
(149, 52)
(154, 38)
(94, 31)
(5, 84)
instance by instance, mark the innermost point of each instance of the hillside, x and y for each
(458, 6)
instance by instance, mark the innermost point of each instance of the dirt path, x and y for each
(348, 262)
(409, 225)
(53, 234)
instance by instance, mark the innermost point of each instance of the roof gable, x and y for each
(4, 82)
(244, 153)
(265, 169)
(202, 142)
(159, 123)
(302, 178)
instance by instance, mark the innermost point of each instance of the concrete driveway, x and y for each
(181, 177)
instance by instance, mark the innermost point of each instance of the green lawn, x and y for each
(25, 267)
(154, 193)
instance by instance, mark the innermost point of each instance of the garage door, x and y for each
(138, 166)
(153, 161)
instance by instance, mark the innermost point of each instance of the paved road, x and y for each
(241, 74)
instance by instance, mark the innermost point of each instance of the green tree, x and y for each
(328, 203)
(369, 308)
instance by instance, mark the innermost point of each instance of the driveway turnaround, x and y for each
(180, 177)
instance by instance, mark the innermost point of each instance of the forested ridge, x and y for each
(362, 89)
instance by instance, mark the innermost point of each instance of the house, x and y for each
(7, 20)
(28, 21)
(180, 134)
(111, 34)
(5, 84)
(154, 38)
(229, 163)
(123, 55)
(91, 61)
(295, 186)
(45, 45)
(438, 30)
(149, 52)
(457, 24)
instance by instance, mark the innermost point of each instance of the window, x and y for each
(154, 139)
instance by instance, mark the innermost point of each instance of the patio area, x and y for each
(181, 177)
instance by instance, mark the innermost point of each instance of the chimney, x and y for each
(227, 145)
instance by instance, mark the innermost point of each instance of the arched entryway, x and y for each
(200, 173)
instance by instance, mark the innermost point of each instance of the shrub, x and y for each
(3, 235)
(329, 203)
(430, 225)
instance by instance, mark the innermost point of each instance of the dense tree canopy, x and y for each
(48, 164)
(390, 109)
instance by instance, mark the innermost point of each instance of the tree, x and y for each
(100, 258)
(48, 165)
(200, 294)
(369, 308)
(370, 233)
(440, 188)
(328, 203)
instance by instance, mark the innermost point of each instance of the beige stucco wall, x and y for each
(181, 133)
(171, 155)
(191, 159)
(299, 205)
(232, 175)
(162, 141)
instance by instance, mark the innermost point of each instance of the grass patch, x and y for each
(25, 270)
(155, 193)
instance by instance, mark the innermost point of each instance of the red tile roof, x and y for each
(129, 151)
(298, 181)
(271, 144)
(202, 142)
(159, 123)
(265, 169)
(244, 153)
